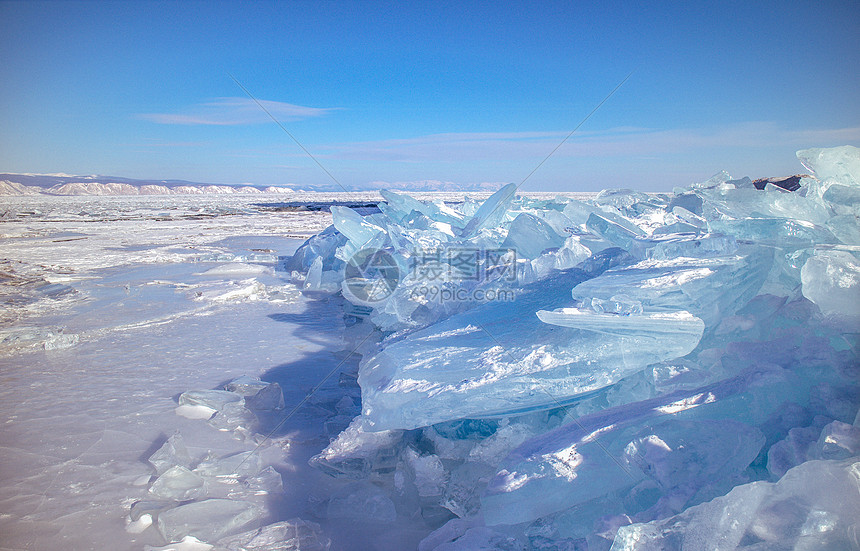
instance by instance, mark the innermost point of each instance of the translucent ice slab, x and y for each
(608, 451)
(289, 535)
(816, 505)
(500, 358)
(831, 279)
(708, 287)
(208, 520)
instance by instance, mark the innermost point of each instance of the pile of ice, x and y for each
(657, 371)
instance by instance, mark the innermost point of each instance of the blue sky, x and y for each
(386, 92)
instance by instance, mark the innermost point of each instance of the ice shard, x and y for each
(602, 453)
(172, 453)
(289, 535)
(530, 236)
(816, 505)
(208, 520)
(491, 211)
(499, 358)
(831, 279)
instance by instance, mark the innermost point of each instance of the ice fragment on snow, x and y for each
(188, 543)
(178, 484)
(208, 520)
(267, 481)
(234, 416)
(268, 398)
(139, 525)
(213, 399)
(290, 535)
(172, 453)
(245, 385)
(236, 465)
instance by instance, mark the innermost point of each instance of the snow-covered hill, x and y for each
(64, 184)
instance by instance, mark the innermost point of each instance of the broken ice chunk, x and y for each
(179, 484)
(188, 543)
(530, 236)
(290, 535)
(616, 234)
(245, 385)
(171, 454)
(267, 481)
(212, 399)
(239, 464)
(260, 395)
(840, 163)
(691, 454)
(499, 358)
(399, 206)
(791, 451)
(234, 416)
(814, 506)
(831, 279)
(782, 233)
(679, 330)
(148, 508)
(208, 520)
(430, 475)
(590, 457)
(355, 453)
(491, 211)
(475, 538)
(709, 288)
(361, 500)
(673, 246)
(269, 398)
(838, 440)
(355, 227)
(621, 199)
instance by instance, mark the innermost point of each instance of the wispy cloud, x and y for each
(236, 111)
(626, 141)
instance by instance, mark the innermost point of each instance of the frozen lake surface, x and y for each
(622, 371)
(109, 314)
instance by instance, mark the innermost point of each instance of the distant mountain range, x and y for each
(65, 184)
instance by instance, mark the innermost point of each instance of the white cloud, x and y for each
(435, 185)
(236, 111)
(616, 142)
